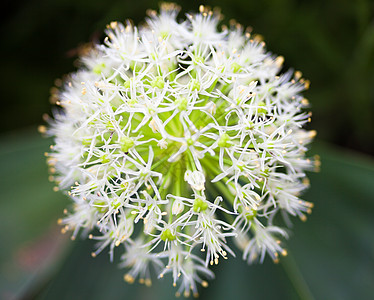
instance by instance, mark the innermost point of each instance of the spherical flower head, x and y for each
(174, 137)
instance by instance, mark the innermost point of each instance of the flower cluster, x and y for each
(176, 136)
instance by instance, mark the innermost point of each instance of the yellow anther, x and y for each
(148, 282)
(298, 75)
(42, 129)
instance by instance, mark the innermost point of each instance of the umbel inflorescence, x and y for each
(175, 136)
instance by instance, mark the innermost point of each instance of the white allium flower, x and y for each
(175, 137)
(195, 179)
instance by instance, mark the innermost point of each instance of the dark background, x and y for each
(331, 42)
(331, 256)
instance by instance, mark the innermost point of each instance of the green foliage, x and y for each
(329, 257)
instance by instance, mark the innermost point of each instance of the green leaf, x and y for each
(330, 255)
(30, 240)
(334, 249)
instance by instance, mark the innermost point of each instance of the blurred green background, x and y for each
(331, 255)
